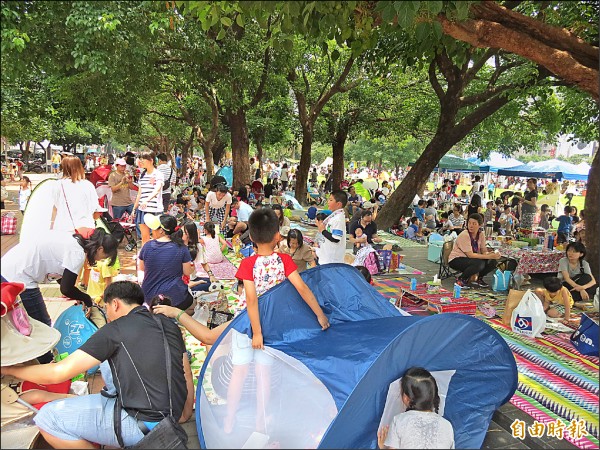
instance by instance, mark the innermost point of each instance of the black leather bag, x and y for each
(168, 434)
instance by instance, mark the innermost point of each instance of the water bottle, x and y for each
(457, 290)
(413, 284)
(541, 242)
(551, 242)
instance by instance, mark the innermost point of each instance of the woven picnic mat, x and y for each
(555, 382)
(389, 238)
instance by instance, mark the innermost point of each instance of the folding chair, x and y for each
(445, 270)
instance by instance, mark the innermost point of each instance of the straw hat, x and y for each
(17, 348)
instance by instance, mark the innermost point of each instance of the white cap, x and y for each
(120, 162)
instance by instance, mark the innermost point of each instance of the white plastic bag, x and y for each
(529, 318)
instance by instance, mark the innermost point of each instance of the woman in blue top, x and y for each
(164, 260)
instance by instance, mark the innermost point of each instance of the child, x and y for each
(260, 273)
(365, 273)
(101, 275)
(333, 228)
(413, 232)
(490, 212)
(420, 426)
(24, 193)
(214, 245)
(508, 221)
(420, 210)
(564, 226)
(555, 292)
(544, 215)
(311, 214)
(358, 243)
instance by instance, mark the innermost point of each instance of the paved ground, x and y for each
(498, 435)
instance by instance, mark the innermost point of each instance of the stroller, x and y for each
(121, 228)
(257, 189)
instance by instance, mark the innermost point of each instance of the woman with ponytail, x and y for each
(54, 255)
(164, 260)
(420, 426)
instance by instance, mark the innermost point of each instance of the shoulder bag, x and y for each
(168, 434)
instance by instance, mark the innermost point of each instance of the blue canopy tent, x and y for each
(553, 168)
(495, 162)
(335, 388)
(227, 173)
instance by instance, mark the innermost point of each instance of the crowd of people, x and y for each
(185, 228)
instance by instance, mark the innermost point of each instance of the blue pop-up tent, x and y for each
(227, 173)
(334, 389)
(553, 168)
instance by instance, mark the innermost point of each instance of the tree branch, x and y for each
(168, 116)
(260, 91)
(483, 96)
(435, 84)
(477, 65)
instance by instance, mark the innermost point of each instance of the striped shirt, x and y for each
(147, 183)
(168, 174)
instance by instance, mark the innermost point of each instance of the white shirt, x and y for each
(419, 429)
(29, 262)
(82, 200)
(168, 174)
(23, 197)
(333, 252)
(211, 199)
(244, 211)
(147, 184)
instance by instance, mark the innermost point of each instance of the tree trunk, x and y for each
(304, 167)
(592, 212)
(240, 147)
(259, 154)
(218, 150)
(398, 203)
(339, 141)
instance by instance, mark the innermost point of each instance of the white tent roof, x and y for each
(328, 161)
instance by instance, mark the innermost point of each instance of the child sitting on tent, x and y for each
(260, 273)
(418, 427)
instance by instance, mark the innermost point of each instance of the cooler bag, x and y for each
(585, 338)
(75, 329)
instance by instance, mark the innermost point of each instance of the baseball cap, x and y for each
(120, 162)
(152, 221)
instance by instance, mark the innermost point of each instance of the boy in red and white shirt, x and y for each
(260, 273)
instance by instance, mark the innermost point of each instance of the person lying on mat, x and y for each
(470, 254)
(130, 349)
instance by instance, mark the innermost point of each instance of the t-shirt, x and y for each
(411, 231)
(454, 221)
(563, 266)
(120, 197)
(463, 245)
(31, 261)
(211, 199)
(333, 252)
(431, 211)
(98, 273)
(302, 256)
(168, 174)
(178, 162)
(420, 214)
(476, 187)
(82, 200)
(23, 197)
(284, 174)
(526, 208)
(268, 190)
(266, 271)
(564, 224)
(134, 347)
(420, 429)
(244, 211)
(312, 212)
(163, 270)
(147, 184)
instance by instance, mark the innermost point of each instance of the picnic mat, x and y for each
(224, 270)
(555, 382)
(389, 238)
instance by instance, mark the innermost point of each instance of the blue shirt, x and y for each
(411, 231)
(419, 214)
(564, 224)
(312, 212)
(163, 270)
(178, 162)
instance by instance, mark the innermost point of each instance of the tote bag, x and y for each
(585, 338)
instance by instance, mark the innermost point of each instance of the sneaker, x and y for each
(482, 283)
(463, 284)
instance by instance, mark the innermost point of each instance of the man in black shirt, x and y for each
(368, 227)
(131, 349)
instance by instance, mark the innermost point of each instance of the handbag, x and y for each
(501, 280)
(168, 434)
(585, 338)
(9, 224)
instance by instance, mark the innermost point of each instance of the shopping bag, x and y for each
(9, 224)
(385, 259)
(394, 262)
(501, 280)
(75, 329)
(529, 318)
(585, 338)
